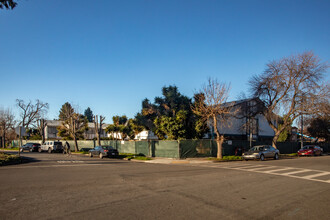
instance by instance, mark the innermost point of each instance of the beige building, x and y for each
(51, 131)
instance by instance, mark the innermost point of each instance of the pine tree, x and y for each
(89, 114)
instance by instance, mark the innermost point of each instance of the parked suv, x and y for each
(51, 146)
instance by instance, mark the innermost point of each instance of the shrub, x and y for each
(8, 158)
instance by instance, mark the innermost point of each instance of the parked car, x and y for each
(103, 151)
(51, 146)
(261, 152)
(310, 150)
(30, 147)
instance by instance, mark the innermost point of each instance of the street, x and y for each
(55, 186)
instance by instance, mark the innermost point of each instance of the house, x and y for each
(51, 131)
(146, 135)
(143, 135)
(249, 122)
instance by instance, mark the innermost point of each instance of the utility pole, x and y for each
(302, 131)
(20, 140)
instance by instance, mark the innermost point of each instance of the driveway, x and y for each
(78, 187)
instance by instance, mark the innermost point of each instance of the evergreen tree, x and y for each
(120, 127)
(89, 114)
(171, 115)
(66, 111)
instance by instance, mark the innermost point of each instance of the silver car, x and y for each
(261, 152)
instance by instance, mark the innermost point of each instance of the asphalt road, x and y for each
(78, 187)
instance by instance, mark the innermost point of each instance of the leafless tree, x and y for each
(211, 107)
(248, 114)
(7, 123)
(41, 125)
(290, 87)
(30, 113)
(98, 127)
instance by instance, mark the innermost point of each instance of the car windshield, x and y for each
(257, 148)
(107, 147)
(308, 148)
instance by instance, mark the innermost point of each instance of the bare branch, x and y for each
(290, 87)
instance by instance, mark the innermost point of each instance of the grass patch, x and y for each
(129, 156)
(10, 149)
(288, 155)
(80, 152)
(227, 158)
(8, 159)
(139, 158)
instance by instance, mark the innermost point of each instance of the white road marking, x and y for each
(298, 171)
(259, 168)
(273, 169)
(70, 161)
(251, 167)
(316, 175)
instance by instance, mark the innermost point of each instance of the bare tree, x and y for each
(98, 127)
(30, 113)
(7, 123)
(8, 4)
(210, 106)
(41, 125)
(289, 87)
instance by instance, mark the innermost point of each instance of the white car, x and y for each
(51, 146)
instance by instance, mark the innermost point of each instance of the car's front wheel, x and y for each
(39, 150)
(49, 150)
(276, 157)
(21, 150)
(262, 157)
(101, 156)
(90, 154)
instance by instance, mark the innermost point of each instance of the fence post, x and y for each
(179, 149)
(211, 151)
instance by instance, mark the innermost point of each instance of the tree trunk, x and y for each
(219, 139)
(20, 135)
(43, 125)
(3, 138)
(43, 138)
(275, 138)
(76, 149)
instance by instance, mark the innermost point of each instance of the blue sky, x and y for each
(110, 55)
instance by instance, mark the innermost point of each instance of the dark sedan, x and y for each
(103, 151)
(310, 150)
(32, 147)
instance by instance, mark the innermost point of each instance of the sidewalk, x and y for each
(175, 161)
